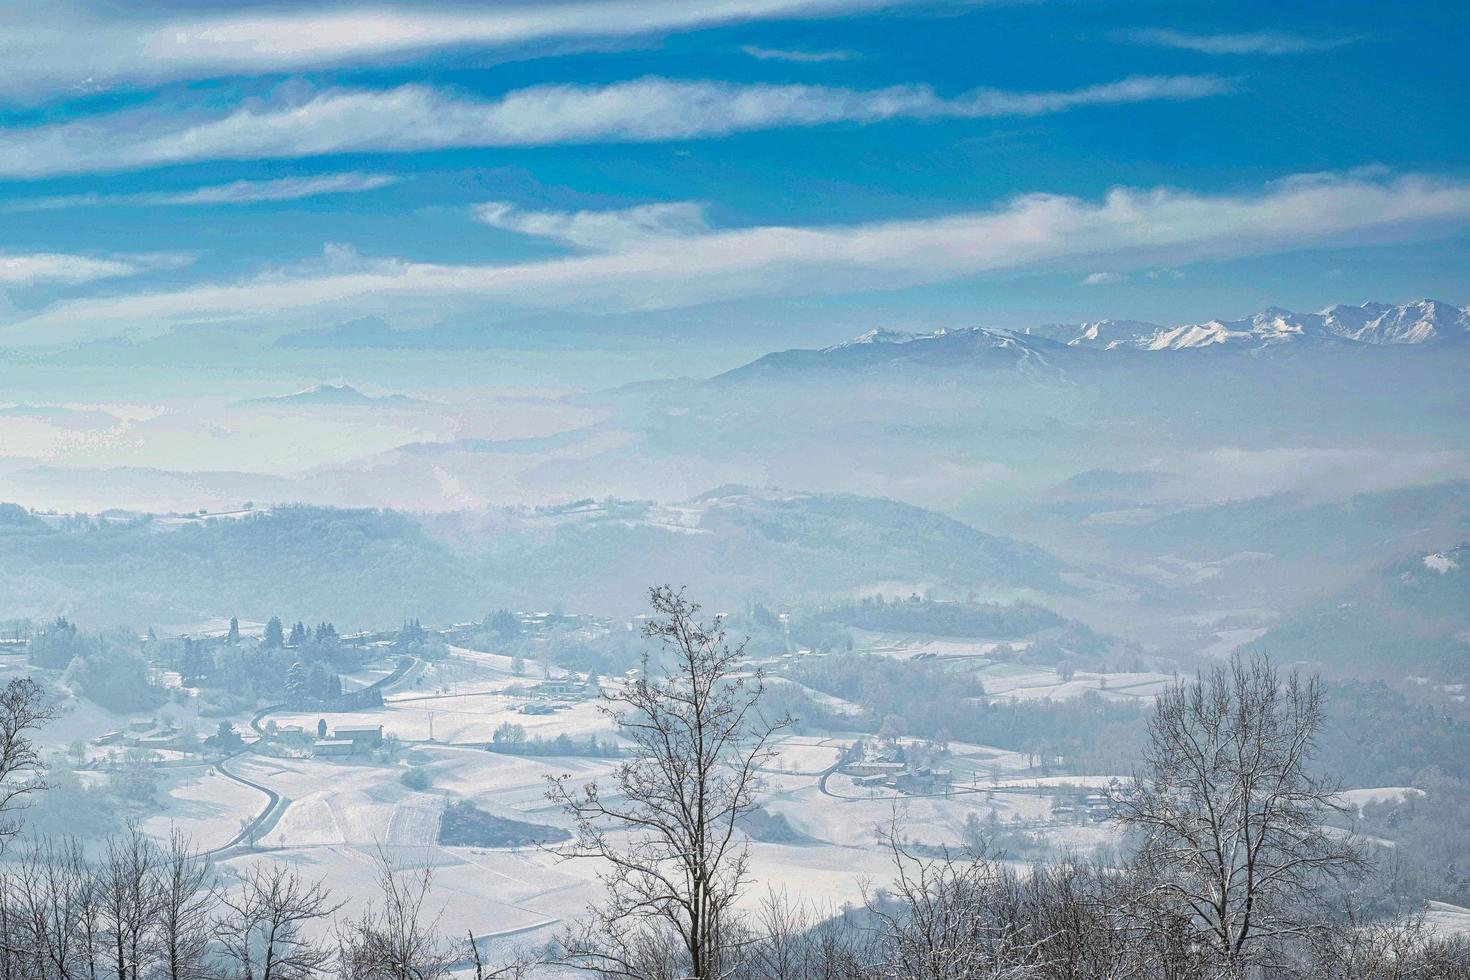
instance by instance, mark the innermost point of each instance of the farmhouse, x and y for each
(561, 688)
(333, 747)
(367, 738)
(924, 780)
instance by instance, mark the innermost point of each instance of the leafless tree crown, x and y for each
(1231, 810)
(668, 827)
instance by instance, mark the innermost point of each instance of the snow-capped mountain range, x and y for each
(1419, 322)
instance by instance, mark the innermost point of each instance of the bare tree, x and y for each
(790, 940)
(520, 964)
(83, 882)
(953, 918)
(668, 830)
(267, 929)
(50, 896)
(185, 897)
(396, 939)
(23, 709)
(127, 902)
(1231, 812)
(1402, 948)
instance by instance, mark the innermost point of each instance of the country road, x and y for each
(276, 804)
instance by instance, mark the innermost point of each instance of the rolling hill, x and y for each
(376, 567)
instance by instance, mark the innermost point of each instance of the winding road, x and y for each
(276, 804)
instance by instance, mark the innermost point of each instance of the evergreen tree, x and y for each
(316, 682)
(298, 634)
(195, 666)
(412, 634)
(504, 623)
(296, 683)
(275, 636)
(234, 636)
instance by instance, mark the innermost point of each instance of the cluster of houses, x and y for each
(557, 692)
(1093, 806)
(145, 733)
(878, 766)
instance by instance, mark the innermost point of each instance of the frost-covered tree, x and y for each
(668, 826)
(1231, 811)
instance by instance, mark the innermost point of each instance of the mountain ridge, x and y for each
(339, 395)
(1413, 324)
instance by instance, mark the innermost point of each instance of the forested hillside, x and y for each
(377, 567)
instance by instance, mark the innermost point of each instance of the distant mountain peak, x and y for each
(330, 394)
(879, 336)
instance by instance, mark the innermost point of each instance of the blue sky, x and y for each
(601, 190)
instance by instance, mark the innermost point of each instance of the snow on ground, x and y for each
(984, 759)
(460, 718)
(216, 626)
(831, 702)
(202, 804)
(1225, 642)
(1380, 794)
(340, 814)
(853, 817)
(1441, 563)
(508, 785)
(337, 814)
(341, 803)
(495, 664)
(526, 893)
(804, 755)
(1041, 782)
(906, 647)
(1446, 919)
(824, 878)
(1043, 683)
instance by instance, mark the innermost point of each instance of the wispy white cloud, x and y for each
(1132, 228)
(415, 117)
(281, 189)
(62, 47)
(599, 230)
(38, 268)
(235, 192)
(797, 56)
(1103, 278)
(1257, 42)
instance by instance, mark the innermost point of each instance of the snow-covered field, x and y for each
(907, 647)
(805, 755)
(1008, 680)
(335, 815)
(1446, 919)
(1042, 683)
(1378, 794)
(203, 805)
